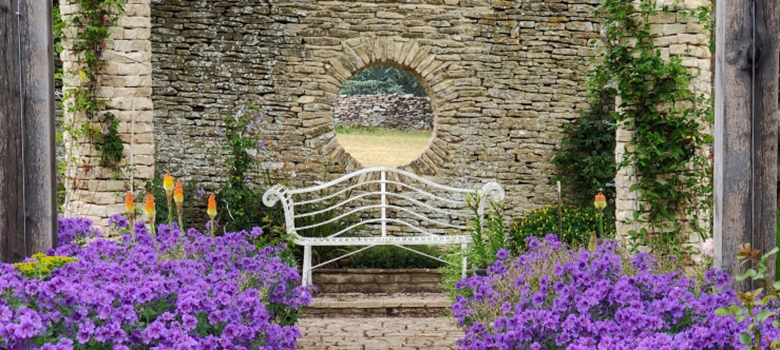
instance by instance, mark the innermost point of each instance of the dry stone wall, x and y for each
(504, 77)
(402, 112)
(126, 82)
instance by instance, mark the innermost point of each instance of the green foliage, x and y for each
(586, 158)
(577, 225)
(488, 237)
(239, 200)
(667, 148)
(758, 305)
(391, 257)
(382, 80)
(92, 23)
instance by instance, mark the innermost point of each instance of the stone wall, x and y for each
(685, 37)
(126, 82)
(402, 112)
(504, 77)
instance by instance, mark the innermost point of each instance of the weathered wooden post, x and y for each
(27, 157)
(746, 122)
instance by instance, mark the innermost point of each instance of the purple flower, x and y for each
(551, 297)
(502, 254)
(153, 294)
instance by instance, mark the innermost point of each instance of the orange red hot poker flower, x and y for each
(150, 206)
(178, 193)
(212, 209)
(601, 201)
(130, 205)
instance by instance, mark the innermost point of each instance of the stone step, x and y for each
(377, 280)
(379, 305)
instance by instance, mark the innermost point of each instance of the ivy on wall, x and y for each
(669, 146)
(87, 30)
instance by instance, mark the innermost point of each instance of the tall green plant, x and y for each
(240, 197)
(586, 157)
(669, 140)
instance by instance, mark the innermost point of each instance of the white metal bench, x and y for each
(415, 210)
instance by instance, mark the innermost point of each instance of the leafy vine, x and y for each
(669, 146)
(90, 27)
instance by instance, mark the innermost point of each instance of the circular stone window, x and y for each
(383, 117)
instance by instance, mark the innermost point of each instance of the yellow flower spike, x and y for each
(168, 184)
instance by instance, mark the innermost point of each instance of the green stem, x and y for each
(212, 228)
(170, 212)
(601, 224)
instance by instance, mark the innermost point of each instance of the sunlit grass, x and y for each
(374, 147)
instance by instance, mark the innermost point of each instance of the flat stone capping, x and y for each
(383, 300)
(377, 280)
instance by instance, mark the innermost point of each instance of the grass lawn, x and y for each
(374, 147)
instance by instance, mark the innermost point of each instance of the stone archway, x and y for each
(355, 55)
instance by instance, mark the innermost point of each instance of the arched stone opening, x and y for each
(404, 54)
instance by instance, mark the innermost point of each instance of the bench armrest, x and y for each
(273, 195)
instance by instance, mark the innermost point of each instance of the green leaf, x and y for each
(722, 311)
(764, 314)
(745, 338)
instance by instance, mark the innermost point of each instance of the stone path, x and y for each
(378, 333)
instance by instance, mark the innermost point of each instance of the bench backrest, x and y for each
(379, 201)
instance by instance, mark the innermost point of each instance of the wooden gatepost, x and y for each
(746, 127)
(27, 158)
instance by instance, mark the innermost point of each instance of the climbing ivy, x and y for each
(669, 146)
(90, 26)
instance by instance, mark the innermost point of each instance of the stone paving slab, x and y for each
(378, 333)
(368, 301)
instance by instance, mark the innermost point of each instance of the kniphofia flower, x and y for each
(150, 213)
(178, 196)
(130, 205)
(212, 211)
(178, 193)
(168, 185)
(212, 208)
(150, 207)
(601, 201)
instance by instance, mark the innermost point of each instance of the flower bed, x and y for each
(178, 291)
(554, 298)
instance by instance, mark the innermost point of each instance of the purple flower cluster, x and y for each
(184, 291)
(554, 298)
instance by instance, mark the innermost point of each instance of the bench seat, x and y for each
(422, 211)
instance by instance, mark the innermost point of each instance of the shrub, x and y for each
(182, 291)
(554, 298)
(390, 257)
(578, 223)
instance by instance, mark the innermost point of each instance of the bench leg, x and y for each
(464, 251)
(306, 273)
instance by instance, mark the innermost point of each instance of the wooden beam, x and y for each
(27, 155)
(746, 127)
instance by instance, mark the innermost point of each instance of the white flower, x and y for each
(708, 247)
